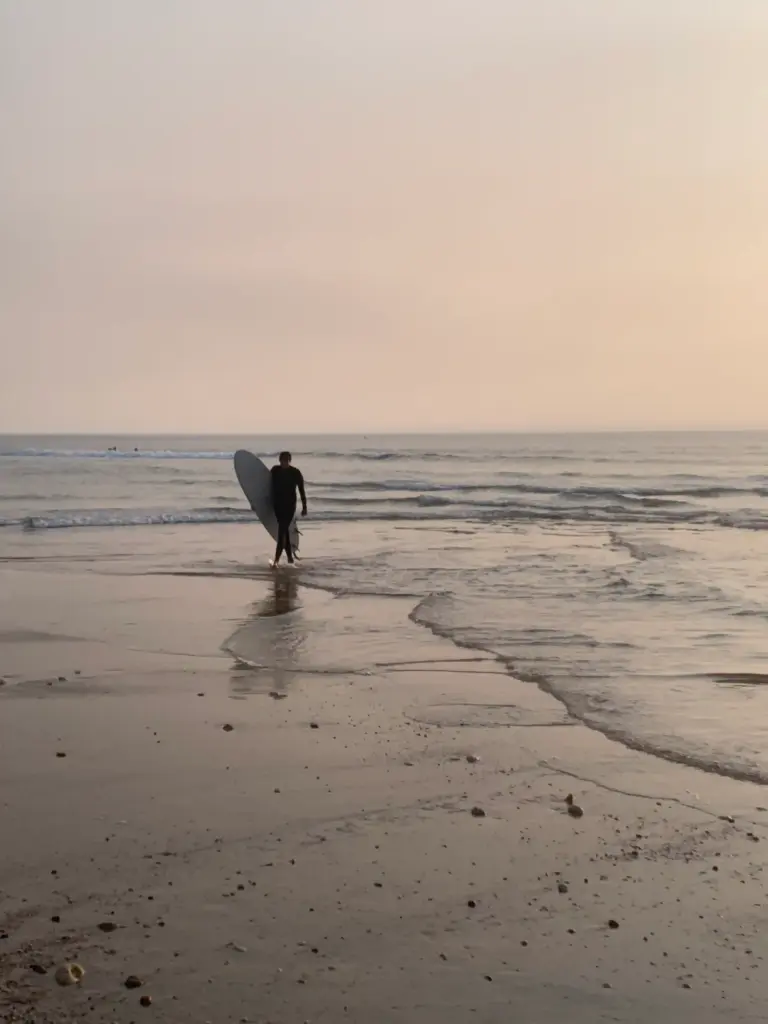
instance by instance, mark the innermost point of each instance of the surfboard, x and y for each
(256, 482)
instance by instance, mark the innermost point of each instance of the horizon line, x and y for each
(519, 432)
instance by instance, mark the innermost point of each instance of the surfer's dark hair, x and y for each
(285, 456)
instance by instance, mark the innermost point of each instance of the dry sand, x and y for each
(320, 860)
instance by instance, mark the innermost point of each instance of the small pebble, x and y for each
(471, 904)
(313, 725)
(569, 799)
(60, 753)
(146, 1000)
(613, 924)
(107, 926)
(575, 811)
(562, 887)
(133, 982)
(472, 758)
(478, 812)
(56, 919)
(38, 968)
(227, 727)
(69, 974)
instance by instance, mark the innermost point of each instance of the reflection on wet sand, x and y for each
(283, 598)
(268, 644)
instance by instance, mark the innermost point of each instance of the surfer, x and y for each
(285, 481)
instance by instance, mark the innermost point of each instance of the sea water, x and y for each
(626, 574)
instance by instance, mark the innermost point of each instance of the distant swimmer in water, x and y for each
(286, 479)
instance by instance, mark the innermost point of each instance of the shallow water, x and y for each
(626, 574)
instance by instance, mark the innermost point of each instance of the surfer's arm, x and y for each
(302, 492)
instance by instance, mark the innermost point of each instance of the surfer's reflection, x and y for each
(267, 646)
(284, 597)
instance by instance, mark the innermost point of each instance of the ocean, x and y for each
(626, 574)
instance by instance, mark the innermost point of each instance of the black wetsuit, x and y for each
(285, 481)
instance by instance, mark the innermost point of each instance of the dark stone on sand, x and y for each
(613, 924)
(146, 1000)
(562, 887)
(62, 679)
(477, 812)
(727, 817)
(60, 753)
(38, 968)
(472, 904)
(227, 727)
(107, 926)
(569, 799)
(133, 982)
(575, 811)
(56, 919)
(313, 725)
(472, 758)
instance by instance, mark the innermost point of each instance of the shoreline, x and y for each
(318, 860)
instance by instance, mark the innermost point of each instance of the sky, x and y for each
(383, 215)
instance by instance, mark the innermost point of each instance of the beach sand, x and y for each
(282, 830)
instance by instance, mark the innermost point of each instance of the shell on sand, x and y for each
(69, 974)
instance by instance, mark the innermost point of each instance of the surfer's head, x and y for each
(285, 458)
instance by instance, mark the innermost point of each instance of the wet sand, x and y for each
(341, 817)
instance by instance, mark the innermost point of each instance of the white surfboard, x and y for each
(256, 482)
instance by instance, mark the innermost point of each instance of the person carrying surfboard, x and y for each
(286, 479)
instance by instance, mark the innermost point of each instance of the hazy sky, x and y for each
(316, 215)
